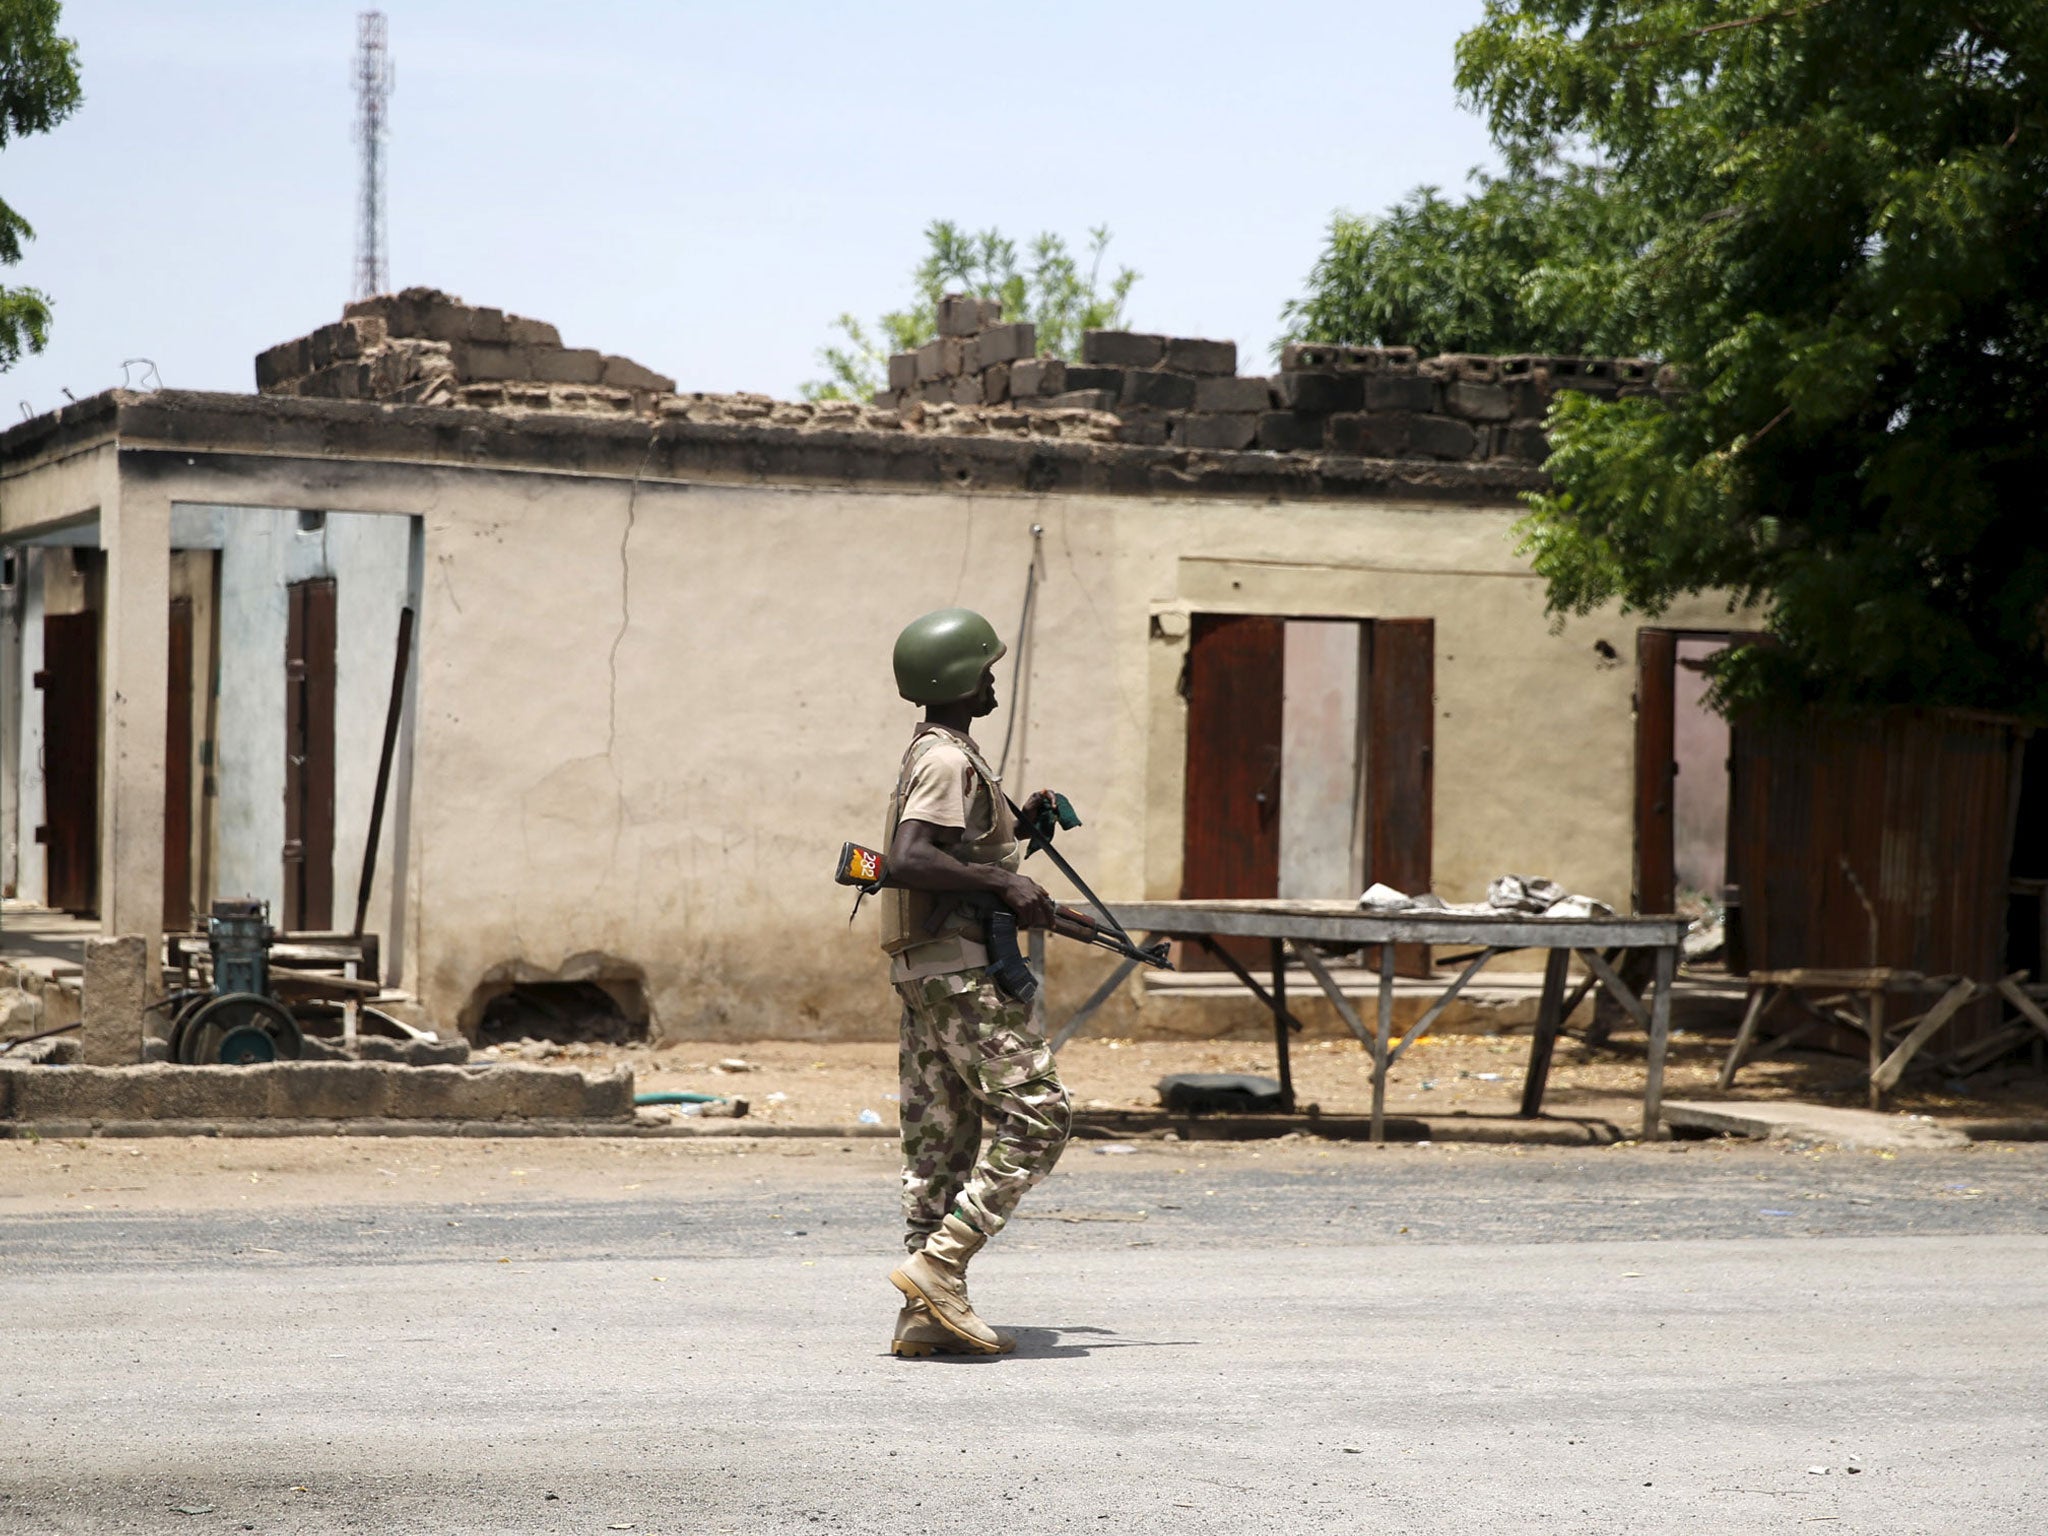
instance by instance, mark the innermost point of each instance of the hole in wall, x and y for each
(605, 1012)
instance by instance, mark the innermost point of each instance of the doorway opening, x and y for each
(1682, 768)
(1309, 760)
(74, 583)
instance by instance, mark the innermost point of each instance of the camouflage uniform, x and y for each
(969, 1054)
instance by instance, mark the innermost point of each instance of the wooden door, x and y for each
(70, 681)
(1656, 877)
(309, 755)
(1400, 759)
(1231, 838)
(178, 772)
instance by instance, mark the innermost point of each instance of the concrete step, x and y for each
(1789, 1120)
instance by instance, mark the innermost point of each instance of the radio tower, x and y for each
(373, 91)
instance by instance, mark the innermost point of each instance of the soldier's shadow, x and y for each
(1075, 1343)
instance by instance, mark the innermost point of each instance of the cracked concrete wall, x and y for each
(650, 714)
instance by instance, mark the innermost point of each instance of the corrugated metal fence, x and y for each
(1875, 840)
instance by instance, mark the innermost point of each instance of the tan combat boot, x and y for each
(918, 1335)
(937, 1276)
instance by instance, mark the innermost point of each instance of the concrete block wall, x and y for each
(984, 375)
(1392, 403)
(425, 347)
(1180, 391)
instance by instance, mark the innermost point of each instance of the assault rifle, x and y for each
(868, 871)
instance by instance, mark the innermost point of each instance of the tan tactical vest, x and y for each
(912, 918)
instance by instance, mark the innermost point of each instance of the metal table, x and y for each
(1301, 925)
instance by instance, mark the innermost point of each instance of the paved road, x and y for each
(1558, 1342)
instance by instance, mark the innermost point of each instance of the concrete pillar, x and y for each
(118, 982)
(135, 531)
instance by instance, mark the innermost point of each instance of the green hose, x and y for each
(677, 1098)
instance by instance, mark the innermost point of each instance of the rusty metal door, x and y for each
(70, 681)
(1400, 772)
(309, 673)
(178, 771)
(1656, 770)
(1231, 837)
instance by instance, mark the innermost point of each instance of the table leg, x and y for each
(1383, 1030)
(1305, 952)
(1444, 1000)
(1873, 1020)
(1660, 1040)
(1096, 999)
(1549, 1019)
(1279, 960)
(1759, 1005)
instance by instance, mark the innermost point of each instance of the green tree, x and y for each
(1049, 288)
(1540, 260)
(1846, 206)
(38, 90)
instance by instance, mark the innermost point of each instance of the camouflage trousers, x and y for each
(969, 1055)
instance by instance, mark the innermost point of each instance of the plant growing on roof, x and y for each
(1049, 288)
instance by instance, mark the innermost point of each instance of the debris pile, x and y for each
(1153, 389)
(425, 347)
(983, 375)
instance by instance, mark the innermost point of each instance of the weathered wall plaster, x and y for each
(649, 715)
(653, 689)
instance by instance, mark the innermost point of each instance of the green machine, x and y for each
(237, 1023)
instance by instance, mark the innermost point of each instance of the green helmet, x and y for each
(940, 657)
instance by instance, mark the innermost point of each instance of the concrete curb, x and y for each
(1497, 1130)
(1545, 1132)
(1090, 1126)
(70, 1130)
(1791, 1120)
(312, 1092)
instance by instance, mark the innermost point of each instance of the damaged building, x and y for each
(1279, 641)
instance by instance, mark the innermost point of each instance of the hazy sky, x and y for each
(704, 188)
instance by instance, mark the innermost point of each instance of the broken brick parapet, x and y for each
(982, 376)
(425, 347)
(1376, 402)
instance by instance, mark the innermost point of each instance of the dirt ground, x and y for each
(797, 1084)
(40, 1177)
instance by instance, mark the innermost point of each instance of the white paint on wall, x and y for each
(1700, 801)
(263, 551)
(1320, 780)
(32, 865)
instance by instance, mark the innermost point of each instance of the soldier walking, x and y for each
(969, 1054)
